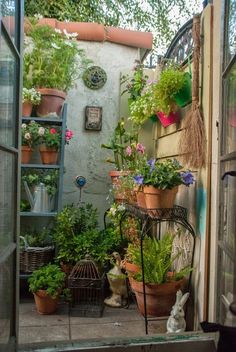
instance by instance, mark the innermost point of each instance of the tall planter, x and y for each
(52, 101)
(184, 96)
(26, 154)
(159, 297)
(159, 198)
(45, 304)
(49, 156)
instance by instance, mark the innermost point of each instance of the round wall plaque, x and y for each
(94, 77)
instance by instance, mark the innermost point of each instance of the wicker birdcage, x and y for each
(87, 289)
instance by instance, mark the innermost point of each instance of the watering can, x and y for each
(39, 199)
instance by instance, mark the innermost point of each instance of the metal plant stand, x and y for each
(177, 215)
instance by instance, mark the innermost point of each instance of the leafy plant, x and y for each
(162, 174)
(135, 84)
(31, 96)
(24, 205)
(52, 59)
(120, 140)
(41, 238)
(48, 177)
(157, 260)
(51, 138)
(30, 134)
(49, 278)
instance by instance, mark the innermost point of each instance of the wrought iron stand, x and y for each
(177, 214)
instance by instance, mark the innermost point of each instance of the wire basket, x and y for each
(32, 258)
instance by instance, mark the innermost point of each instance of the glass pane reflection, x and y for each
(7, 12)
(230, 42)
(7, 94)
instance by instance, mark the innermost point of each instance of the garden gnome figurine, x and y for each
(117, 282)
(176, 322)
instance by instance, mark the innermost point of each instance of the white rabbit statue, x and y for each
(176, 322)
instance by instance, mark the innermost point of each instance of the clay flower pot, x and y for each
(159, 297)
(26, 153)
(27, 109)
(130, 268)
(45, 304)
(141, 202)
(159, 198)
(49, 156)
(52, 101)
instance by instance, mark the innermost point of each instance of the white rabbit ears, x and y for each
(184, 299)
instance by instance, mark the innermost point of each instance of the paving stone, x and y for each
(32, 334)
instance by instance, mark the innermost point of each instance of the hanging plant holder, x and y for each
(166, 121)
(184, 96)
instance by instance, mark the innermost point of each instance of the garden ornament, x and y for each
(176, 322)
(117, 282)
(40, 201)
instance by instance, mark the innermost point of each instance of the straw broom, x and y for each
(192, 144)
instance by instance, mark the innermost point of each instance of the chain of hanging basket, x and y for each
(192, 145)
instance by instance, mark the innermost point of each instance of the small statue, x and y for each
(117, 282)
(176, 322)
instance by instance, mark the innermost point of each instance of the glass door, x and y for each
(227, 226)
(10, 83)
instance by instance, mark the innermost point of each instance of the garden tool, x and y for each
(40, 201)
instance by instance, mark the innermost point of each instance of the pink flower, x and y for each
(140, 148)
(69, 135)
(53, 131)
(129, 150)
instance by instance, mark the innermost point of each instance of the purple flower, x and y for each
(138, 179)
(151, 163)
(187, 178)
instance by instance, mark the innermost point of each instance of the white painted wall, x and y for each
(84, 155)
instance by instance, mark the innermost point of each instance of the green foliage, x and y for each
(143, 107)
(120, 139)
(41, 238)
(29, 134)
(48, 177)
(157, 259)
(49, 278)
(51, 138)
(24, 205)
(52, 59)
(163, 17)
(171, 82)
(135, 84)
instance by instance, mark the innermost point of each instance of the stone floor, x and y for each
(115, 322)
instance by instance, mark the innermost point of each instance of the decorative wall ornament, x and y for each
(93, 118)
(94, 77)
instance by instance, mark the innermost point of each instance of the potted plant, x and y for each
(161, 282)
(52, 62)
(30, 98)
(50, 143)
(46, 284)
(29, 138)
(160, 181)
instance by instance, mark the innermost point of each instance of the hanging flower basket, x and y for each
(166, 121)
(184, 96)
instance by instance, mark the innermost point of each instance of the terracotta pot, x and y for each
(141, 202)
(159, 198)
(52, 101)
(45, 304)
(26, 153)
(166, 121)
(48, 155)
(159, 297)
(115, 179)
(27, 109)
(130, 268)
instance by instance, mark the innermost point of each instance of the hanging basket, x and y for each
(184, 96)
(32, 258)
(166, 121)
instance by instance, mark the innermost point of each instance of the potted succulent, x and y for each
(160, 181)
(161, 282)
(46, 284)
(30, 98)
(50, 139)
(52, 62)
(29, 138)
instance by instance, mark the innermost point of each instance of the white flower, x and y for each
(66, 33)
(74, 35)
(27, 136)
(68, 43)
(23, 125)
(38, 16)
(41, 131)
(55, 46)
(113, 211)
(121, 207)
(58, 30)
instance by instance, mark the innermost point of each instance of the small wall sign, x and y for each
(93, 118)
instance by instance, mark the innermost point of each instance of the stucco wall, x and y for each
(84, 155)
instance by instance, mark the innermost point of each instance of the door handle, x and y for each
(228, 173)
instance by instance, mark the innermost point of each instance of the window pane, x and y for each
(230, 40)
(7, 203)
(229, 121)
(7, 12)
(7, 94)
(6, 297)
